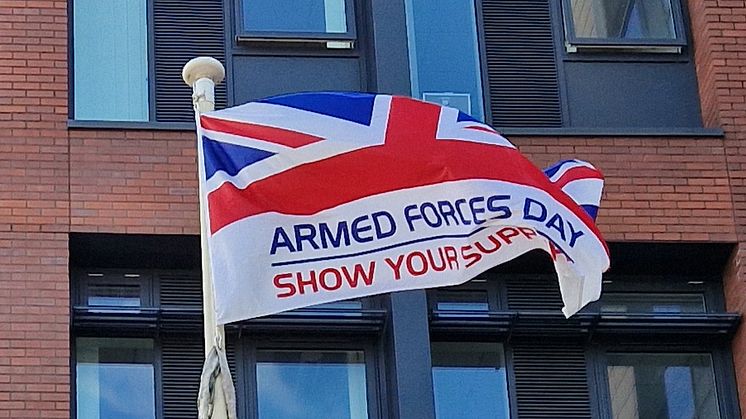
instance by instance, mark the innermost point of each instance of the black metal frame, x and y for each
(678, 22)
(151, 123)
(246, 364)
(722, 369)
(603, 332)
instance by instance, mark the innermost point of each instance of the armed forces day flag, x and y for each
(319, 197)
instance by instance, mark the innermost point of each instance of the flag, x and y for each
(320, 197)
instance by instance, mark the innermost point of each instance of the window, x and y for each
(127, 56)
(286, 380)
(111, 290)
(652, 303)
(462, 300)
(110, 47)
(623, 22)
(662, 386)
(297, 20)
(444, 54)
(469, 380)
(114, 378)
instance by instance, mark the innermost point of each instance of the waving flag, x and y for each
(320, 197)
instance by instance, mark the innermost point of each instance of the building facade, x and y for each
(100, 298)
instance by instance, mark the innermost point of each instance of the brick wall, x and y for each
(719, 30)
(53, 181)
(133, 182)
(34, 296)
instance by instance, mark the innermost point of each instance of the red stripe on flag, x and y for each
(577, 173)
(281, 136)
(410, 158)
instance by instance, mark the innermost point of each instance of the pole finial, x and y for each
(203, 68)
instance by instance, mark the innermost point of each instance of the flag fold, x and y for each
(320, 197)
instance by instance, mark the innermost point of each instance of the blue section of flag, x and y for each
(592, 210)
(354, 107)
(551, 170)
(465, 117)
(229, 158)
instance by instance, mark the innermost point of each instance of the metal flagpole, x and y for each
(202, 74)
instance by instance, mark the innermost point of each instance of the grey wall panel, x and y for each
(632, 94)
(258, 77)
(390, 55)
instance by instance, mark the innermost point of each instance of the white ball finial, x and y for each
(201, 68)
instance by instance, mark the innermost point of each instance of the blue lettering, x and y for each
(475, 210)
(342, 236)
(308, 235)
(281, 239)
(527, 215)
(411, 217)
(357, 229)
(458, 203)
(574, 235)
(380, 233)
(556, 223)
(503, 211)
(438, 221)
(446, 210)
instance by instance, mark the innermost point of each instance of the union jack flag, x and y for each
(319, 197)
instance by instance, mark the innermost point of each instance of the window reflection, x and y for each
(303, 16)
(444, 54)
(462, 300)
(469, 380)
(115, 378)
(652, 303)
(662, 386)
(623, 19)
(103, 295)
(311, 384)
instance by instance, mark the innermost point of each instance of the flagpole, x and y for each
(202, 74)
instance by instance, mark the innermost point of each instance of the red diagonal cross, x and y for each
(411, 157)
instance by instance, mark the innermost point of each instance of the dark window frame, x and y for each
(242, 34)
(722, 369)
(98, 123)
(635, 45)
(246, 361)
(85, 278)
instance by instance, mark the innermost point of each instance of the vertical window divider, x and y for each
(151, 60)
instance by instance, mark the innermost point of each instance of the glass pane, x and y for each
(662, 386)
(462, 301)
(623, 19)
(287, 381)
(311, 16)
(339, 305)
(469, 380)
(102, 295)
(110, 49)
(444, 54)
(115, 378)
(652, 303)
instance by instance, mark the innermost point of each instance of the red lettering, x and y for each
(410, 263)
(303, 282)
(512, 232)
(430, 258)
(496, 245)
(451, 257)
(395, 266)
(277, 280)
(471, 258)
(359, 273)
(337, 279)
(530, 233)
